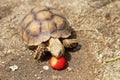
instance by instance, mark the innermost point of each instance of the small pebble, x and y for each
(14, 67)
(35, 75)
(39, 78)
(31, 53)
(46, 67)
(9, 51)
(41, 72)
(69, 69)
(23, 48)
(56, 77)
(2, 62)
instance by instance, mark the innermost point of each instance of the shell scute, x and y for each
(41, 23)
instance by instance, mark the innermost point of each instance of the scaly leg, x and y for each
(40, 52)
(70, 43)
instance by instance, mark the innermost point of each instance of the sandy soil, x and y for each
(97, 26)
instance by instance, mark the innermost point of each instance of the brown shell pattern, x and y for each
(41, 23)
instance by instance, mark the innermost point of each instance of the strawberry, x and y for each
(57, 64)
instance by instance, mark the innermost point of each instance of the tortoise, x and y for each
(48, 29)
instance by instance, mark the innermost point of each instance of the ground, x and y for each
(97, 27)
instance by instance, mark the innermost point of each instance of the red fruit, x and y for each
(57, 63)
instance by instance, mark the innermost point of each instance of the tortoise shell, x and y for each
(42, 23)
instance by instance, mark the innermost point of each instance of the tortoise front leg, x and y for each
(40, 52)
(70, 43)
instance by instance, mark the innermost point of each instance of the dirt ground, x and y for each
(97, 26)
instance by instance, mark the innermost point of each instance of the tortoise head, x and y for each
(56, 48)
